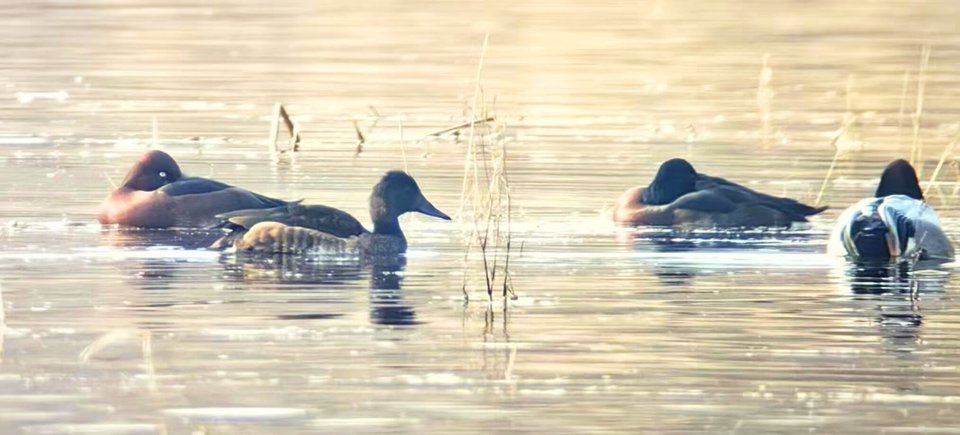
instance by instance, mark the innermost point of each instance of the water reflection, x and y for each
(291, 270)
(748, 248)
(386, 302)
(387, 305)
(896, 292)
(132, 238)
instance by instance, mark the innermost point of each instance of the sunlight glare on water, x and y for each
(108, 331)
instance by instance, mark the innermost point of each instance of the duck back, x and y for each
(791, 209)
(891, 227)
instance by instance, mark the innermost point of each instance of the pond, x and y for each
(611, 329)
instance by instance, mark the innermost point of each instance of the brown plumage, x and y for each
(156, 194)
(298, 229)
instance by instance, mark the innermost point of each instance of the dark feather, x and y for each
(198, 185)
(317, 217)
(711, 201)
(742, 195)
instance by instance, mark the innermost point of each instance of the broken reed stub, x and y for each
(293, 129)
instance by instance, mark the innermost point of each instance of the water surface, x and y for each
(613, 330)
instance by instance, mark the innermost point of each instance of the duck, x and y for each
(299, 229)
(895, 224)
(156, 194)
(679, 196)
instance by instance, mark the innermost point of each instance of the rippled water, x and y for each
(613, 330)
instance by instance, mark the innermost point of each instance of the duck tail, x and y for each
(234, 233)
(800, 211)
(879, 234)
(816, 210)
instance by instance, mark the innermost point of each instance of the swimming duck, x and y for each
(296, 228)
(895, 224)
(679, 196)
(156, 194)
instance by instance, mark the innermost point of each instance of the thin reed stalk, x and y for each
(916, 148)
(903, 108)
(485, 200)
(403, 147)
(473, 110)
(943, 158)
(156, 133)
(281, 116)
(826, 179)
(765, 100)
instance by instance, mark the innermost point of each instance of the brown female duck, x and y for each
(298, 228)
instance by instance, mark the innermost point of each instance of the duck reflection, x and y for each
(387, 306)
(290, 269)
(167, 273)
(897, 291)
(153, 258)
(386, 301)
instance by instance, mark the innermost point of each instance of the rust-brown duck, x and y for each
(156, 194)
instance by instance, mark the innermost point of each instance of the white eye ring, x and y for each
(163, 174)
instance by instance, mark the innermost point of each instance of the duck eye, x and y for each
(163, 174)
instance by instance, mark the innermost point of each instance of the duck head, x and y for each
(675, 178)
(899, 178)
(398, 193)
(154, 170)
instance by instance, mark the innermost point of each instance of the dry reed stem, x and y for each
(376, 117)
(835, 143)
(281, 116)
(476, 94)
(943, 158)
(110, 180)
(826, 179)
(903, 108)
(916, 149)
(274, 129)
(360, 139)
(460, 126)
(486, 189)
(403, 147)
(765, 99)
(156, 133)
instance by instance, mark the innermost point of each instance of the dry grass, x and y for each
(765, 100)
(361, 139)
(485, 200)
(916, 147)
(849, 130)
(903, 107)
(281, 116)
(847, 138)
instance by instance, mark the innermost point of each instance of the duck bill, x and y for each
(428, 209)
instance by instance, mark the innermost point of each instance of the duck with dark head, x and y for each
(156, 194)
(299, 228)
(680, 196)
(895, 224)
